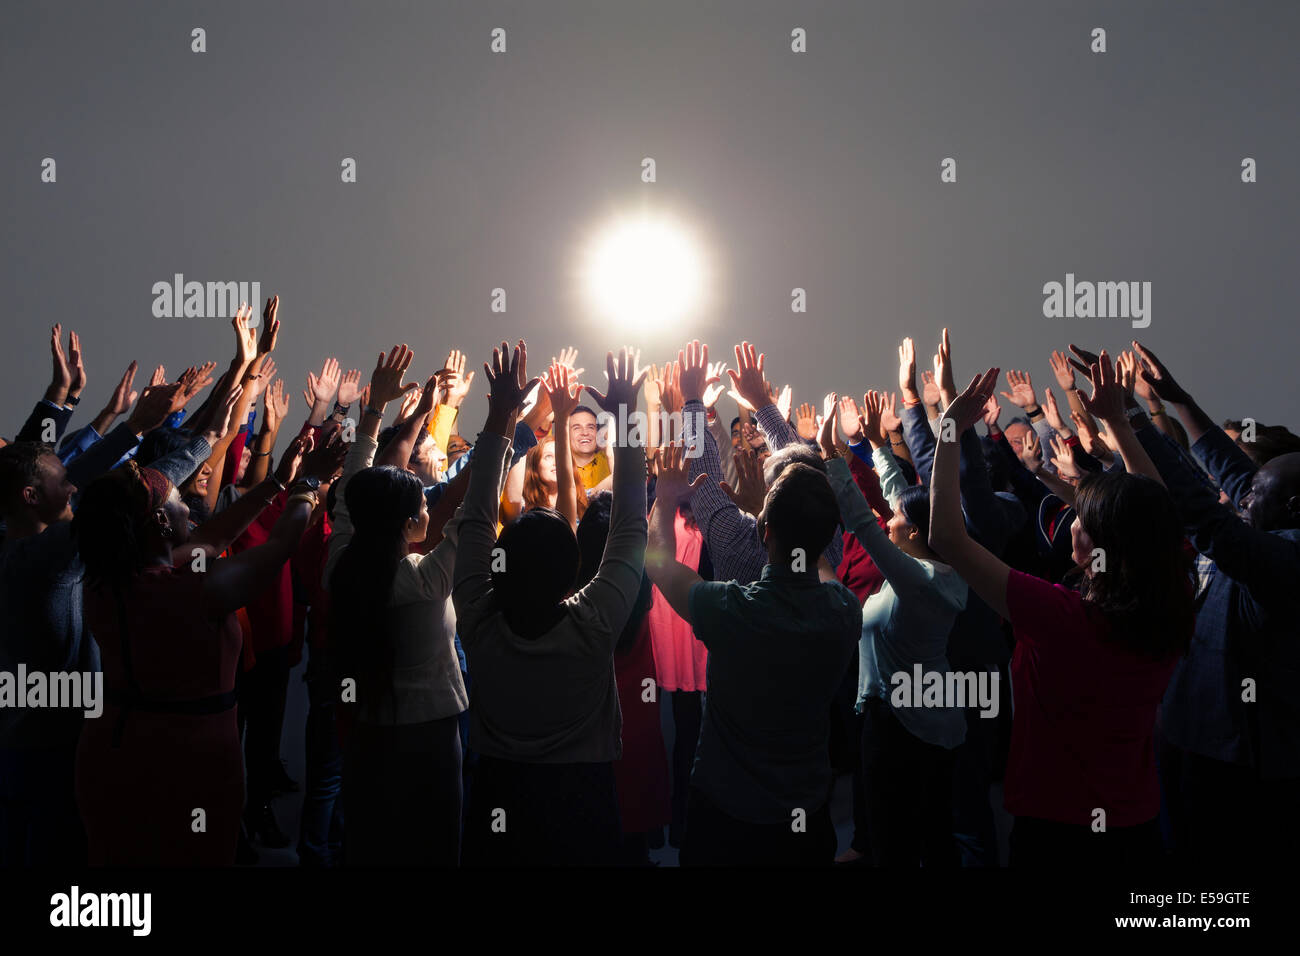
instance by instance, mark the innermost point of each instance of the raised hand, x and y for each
(508, 380)
(61, 378)
(674, 483)
(409, 401)
(386, 379)
(256, 384)
(1140, 384)
(713, 389)
(1062, 369)
(349, 388)
(907, 370)
(1022, 389)
(1063, 460)
(654, 387)
(245, 337)
(889, 420)
(325, 460)
(270, 326)
(286, 470)
(1088, 438)
(155, 404)
(943, 372)
(123, 397)
(1031, 452)
(872, 407)
(1108, 399)
(930, 395)
(992, 412)
(805, 420)
(624, 383)
(425, 399)
(561, 384)
(748, 381)
(220, 425)
(828, 433)
(457, 380)
(968, 407)
(1158, 379)
(159, 377)
(326, 384)
(671, 398)
(1053, 414)
(569, 359)
(276, 402)
(693, 362)
(750, 488)
(850, 419)
(1085, 359)
(74, 361)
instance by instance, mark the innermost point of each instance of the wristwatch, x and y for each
(307, 484)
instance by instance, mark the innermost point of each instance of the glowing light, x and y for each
(644, 273)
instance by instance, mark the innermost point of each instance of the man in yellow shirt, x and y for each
(590, 462)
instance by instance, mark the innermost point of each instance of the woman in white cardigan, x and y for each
(392, 637)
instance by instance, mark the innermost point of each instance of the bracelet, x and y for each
(306, 497)
(72, 401)
(893, 442)
(377, 412)
(1157, 411)
(1038, 410)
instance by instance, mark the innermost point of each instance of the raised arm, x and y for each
(984, 571)
(673, 578)
(232, 582)
(476, 528)
(613, 591)
(561, 388)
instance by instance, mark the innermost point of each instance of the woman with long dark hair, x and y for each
(160, 777)
(1093, 655)
(392, 639)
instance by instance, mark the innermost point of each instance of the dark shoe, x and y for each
(262, 826)
(675, 832)
(281, 782)
(245, 855)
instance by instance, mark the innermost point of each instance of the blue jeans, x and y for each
(320, 840)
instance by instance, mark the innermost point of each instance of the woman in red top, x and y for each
(1091, 661)
(159, 774)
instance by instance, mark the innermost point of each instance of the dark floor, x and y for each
(288, 807)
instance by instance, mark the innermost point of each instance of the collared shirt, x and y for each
(778, 649)
(594, 471)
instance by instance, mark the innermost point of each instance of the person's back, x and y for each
(778, 649)
(545, 718)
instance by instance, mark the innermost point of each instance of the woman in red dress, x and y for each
(160, 773)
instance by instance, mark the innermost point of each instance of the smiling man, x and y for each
(589, 459)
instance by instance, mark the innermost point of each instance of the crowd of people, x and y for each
(492, 611)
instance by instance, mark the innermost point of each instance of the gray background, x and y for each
(818, 170)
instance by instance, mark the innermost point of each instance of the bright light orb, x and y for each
(644, 273)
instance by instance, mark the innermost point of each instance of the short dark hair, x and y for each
(796, 453)
(20, 465)
(584, 408)
(800, 510)
(735, 421)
